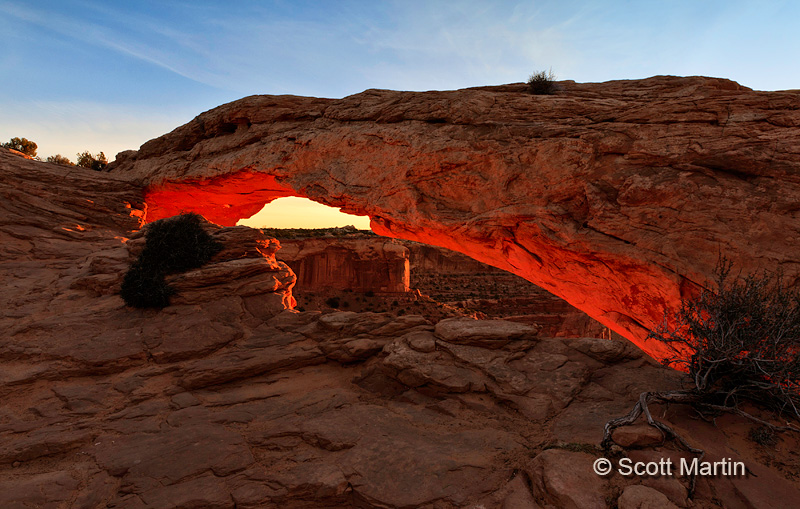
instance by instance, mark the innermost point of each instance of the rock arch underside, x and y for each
(618, 197)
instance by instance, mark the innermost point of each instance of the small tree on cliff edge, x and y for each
(87, 160)
(738, 344)
(23, 145)
(59, 159)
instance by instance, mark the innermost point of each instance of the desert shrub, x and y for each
(737, 343)
(176, 244)
(740, 342)
(23, 145)
(143, 287)
(332, 302)
(542, 83)
(763, 436)
(92, 162)
(59, 159)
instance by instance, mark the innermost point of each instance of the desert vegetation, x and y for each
(59, 159)
(23, 145)
(93, 162)
(739, 345)
(175, 244)
(84, 159)
(542, 83)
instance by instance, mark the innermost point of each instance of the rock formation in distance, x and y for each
(359, 265)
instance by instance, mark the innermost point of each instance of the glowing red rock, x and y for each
(618, 197)
(223, 200)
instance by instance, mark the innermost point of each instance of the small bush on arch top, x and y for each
(542, 83)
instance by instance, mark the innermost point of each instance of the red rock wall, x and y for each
(360, 265)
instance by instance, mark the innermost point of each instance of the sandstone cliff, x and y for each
(359, 265)
(618, 197)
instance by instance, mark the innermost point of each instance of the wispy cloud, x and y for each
(141, 39)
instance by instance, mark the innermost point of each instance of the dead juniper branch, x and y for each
(740, 343)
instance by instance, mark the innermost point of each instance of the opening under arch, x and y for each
(593, 282)
(297, 212)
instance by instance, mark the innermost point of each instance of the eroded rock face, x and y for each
(68, 237)
(208, 404)
(245, 267)
(359, 265)
(618, 197)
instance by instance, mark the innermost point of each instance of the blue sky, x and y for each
(110, 75)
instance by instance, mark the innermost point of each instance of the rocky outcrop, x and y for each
(618, 197)
(342, 410)
(359, 265)
(215, 403)
(68, 237)
(246, 267)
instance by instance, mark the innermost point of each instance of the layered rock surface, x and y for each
(618, 197)
(458, 280)
(210, 404)
(359, 265)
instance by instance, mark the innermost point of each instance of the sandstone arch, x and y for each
(616, 196)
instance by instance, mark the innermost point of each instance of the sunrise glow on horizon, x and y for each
(295, 212)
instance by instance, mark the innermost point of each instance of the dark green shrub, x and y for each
(176, 244)
(332, 302)
(542, 83)
(145, 288)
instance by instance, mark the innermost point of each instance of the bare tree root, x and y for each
(641, 407)
(683, 397)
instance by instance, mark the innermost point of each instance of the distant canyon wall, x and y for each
(360, 265)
